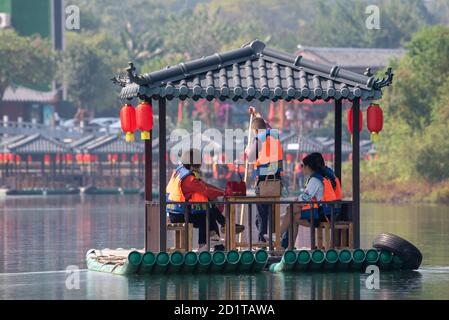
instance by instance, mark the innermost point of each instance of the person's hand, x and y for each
(251, 110)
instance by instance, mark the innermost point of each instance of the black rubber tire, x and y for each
(409, 254)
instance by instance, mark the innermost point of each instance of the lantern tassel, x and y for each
(129, 137)
(145, 135)
(374, 136)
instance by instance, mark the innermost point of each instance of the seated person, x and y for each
(318, 188)
(185, 187)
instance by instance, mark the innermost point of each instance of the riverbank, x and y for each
(381, 191)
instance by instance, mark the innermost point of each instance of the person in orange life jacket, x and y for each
(217, 213)
(267, 154)
(185, 186)
(329, 174)
(318, 188)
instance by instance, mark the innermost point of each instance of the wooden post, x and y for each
(162, 175)
(148, 174)
(337, 138)
(356, 172)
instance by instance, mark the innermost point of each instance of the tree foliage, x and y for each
(24, 60)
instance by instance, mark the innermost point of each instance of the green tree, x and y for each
(24, 61)
(86, 67)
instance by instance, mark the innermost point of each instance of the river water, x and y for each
(41, 236)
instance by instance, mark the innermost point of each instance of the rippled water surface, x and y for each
(41, 236)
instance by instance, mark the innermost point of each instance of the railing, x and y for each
(343, 205)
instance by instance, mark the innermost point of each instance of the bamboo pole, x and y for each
(251, 111)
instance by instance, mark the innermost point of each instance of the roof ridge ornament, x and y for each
(132, 76)
(384, 82)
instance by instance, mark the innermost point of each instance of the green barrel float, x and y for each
(330, 259)
(385, 259)
(134, 261)
(303, 260)
(371, 257)
(232, 261)
(162, 262)
(287, 263)
(190, 262)
(246, 261)
(204, 261)
(358, 258)
(260, 260)
(317, 258)
(344, 260)
(176, 262)
(148, 262)
(218, 261)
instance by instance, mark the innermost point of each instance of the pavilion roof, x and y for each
(252, 72)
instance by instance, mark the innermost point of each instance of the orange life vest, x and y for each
(269, 157)
(328, 192)
(174, 193)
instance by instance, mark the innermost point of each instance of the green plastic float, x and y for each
(330, 260)
(260, 260)
(204, 261)
(287, 262)
(162, 262)
(317, 260)
(303, 260)
(358, 258)
(344, 260)
(190, 262)
(176, 262)
(246, 261)
(148, 262)
(232, 261)
(218, 261)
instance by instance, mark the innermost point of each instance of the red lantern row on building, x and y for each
(140, 118)
(374, 120)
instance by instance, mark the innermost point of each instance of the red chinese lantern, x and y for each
(114, 157)
(144, 119)
(29, 158)
(58, 158)
(68, 158)
(123, 157)
(9, 157)
(1, 158)
(135, 158)
(79, 158)
(374, 120)
(87, 158)
(289, 157)
(47, 159)
(350, 121)
(128, 121)
(18, 159)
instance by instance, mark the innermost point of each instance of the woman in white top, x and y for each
(314, 191)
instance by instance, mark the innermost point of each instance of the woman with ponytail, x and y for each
(318, 188)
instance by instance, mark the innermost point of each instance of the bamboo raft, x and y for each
(126, 262)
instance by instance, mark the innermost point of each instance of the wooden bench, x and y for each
(179, 229)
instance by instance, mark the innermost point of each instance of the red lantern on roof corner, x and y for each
(144, 119)
(350, 121)
(374, 120)
(128, 121)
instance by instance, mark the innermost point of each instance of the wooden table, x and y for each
(274, 224)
